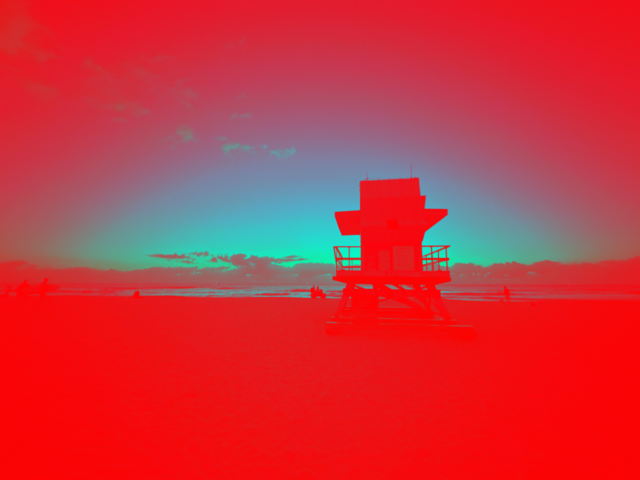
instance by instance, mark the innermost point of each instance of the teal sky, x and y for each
(132, 130)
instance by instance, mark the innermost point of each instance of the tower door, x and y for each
(369, 259)
(384, 260)
(403, 258)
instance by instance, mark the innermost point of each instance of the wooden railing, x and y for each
(434, 258)
(347, 262)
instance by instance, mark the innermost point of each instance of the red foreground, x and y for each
(194, 388)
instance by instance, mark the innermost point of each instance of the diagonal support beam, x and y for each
(347, 292)
(436, 299)
(400, 295)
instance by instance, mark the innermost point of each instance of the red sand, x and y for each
(198, 388)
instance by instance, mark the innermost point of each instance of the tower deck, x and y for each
(434, 268)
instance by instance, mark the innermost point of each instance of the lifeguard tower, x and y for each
(391, 263)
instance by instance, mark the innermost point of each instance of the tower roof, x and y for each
(402, 187)
(389, 204)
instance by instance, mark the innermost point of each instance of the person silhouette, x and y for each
(507, 295)
(42, 288)
(22, 290)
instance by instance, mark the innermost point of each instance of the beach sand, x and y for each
(203, 388)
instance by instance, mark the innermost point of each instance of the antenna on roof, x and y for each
(367, 175)
(411, 170)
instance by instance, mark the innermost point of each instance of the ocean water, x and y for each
(453, 292)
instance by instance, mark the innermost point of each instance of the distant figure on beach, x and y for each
(507, 295)
(42, 288)
(22, 290)
(136, 294)
(317, 292)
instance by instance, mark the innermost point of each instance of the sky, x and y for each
(137, 134)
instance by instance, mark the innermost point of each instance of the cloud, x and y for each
(184, 134)
(187, 258)
(270, 268)
(283, 153)
(12, 266)
(292, 258)
(254, 261)
(184, 95)
(308, 270)
(108, 91)
(228, 148)
(18, 31)
(238, 43)
(39, 90)
(159, 58)
(136, 72)
(238, 115)
(237, 260)
(175, 256)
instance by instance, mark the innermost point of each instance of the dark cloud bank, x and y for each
(228, 269)
(620, 272)
(243, 269)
